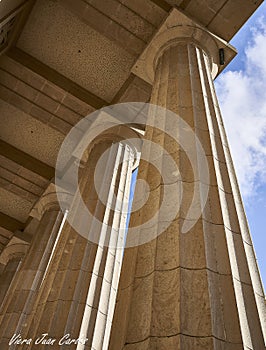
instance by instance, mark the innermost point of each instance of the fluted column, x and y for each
(11, 258)
(200, 289)
(62, 296)
(97, 327)
(17, 309)
(7, 276)
(77, 295)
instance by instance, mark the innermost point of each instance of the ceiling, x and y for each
(63, 59)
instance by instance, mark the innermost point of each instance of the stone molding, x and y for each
(114, 133)
(16, 249)
(49, 201)
(178, 28)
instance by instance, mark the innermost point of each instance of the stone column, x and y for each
(7, 277)
(10, 260)
(99, 309)
(77, 296)
(18, 307)
(201, 289)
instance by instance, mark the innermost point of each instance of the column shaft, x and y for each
(191, 290)
(78, 292)
(7, 277)
(19, 306)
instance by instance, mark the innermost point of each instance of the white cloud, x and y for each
(242, 97)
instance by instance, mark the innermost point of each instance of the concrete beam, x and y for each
(10, 224)
(56, 78)
(26, 160)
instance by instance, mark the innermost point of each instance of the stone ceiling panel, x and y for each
(232, 16)
(38, 97)
(206, 13)
(21, 181)
(146, 9)
(29, 135)
(127, 18)
(14, 206)
(59, 39)
(223, 17)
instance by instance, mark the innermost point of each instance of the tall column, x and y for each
(200, 289)
(77, 295)
(7, 276)
(97, 327)
(18, 308)
(11, 258)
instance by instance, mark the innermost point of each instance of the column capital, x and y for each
(15, 249)
(178, 28)
(49, 201)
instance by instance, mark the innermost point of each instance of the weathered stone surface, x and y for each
(191, 290)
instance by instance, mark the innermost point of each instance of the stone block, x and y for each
(195, 312)
(166, 305)
(140, 315)
(46, 103)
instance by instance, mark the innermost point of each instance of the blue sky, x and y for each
(241, 90)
